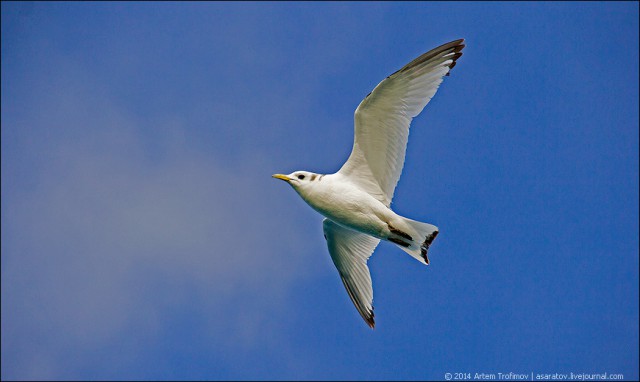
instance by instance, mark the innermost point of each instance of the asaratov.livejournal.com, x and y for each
(533, 376)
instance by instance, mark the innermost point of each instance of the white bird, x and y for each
(356, 200)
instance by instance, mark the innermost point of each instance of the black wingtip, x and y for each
(371, 321)
(456, 56)
(455, 47)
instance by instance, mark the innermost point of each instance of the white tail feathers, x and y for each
(414, 238)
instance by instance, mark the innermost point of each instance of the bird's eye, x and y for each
(301, 177)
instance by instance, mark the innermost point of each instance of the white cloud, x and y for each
(108, 232)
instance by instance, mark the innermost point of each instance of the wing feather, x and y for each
(350, 251)
(382, 120)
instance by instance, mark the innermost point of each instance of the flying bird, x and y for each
(356, 200)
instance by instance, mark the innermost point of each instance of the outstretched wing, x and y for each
(350, 251)
(382, 120)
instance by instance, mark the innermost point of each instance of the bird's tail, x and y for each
(414, 238)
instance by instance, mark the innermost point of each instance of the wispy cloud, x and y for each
(106, 232)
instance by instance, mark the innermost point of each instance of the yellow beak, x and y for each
(281, 176)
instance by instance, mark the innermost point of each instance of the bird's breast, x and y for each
(348, 205)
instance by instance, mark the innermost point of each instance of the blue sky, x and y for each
(144, 238)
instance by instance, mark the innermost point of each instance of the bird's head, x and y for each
(299, 180)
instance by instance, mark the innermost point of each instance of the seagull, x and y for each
(356, 200)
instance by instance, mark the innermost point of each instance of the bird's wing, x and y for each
(350, 251)
(382, 120)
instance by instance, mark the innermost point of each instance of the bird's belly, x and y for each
(354, 209)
